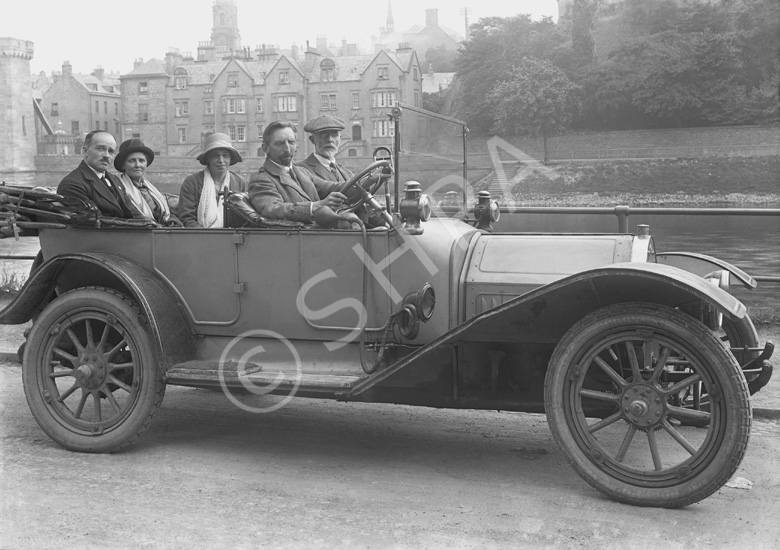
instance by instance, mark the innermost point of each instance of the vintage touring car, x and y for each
(643, 362)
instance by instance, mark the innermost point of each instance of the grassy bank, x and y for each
(749, 182)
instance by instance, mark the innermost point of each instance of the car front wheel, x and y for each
(89, 371)
(612, 398)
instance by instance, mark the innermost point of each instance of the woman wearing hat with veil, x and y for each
(143, 198)
(200, 198)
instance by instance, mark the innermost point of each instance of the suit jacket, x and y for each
(278, 195)
(84, 184)
(189, 196)
(312, 164)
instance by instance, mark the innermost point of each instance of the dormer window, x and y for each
(383, 72)
(327, 70)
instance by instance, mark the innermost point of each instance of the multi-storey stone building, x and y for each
(83, 102)
(174, 104)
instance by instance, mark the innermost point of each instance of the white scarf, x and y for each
(209, 211)
(137, 199)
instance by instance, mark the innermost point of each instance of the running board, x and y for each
(213, 376)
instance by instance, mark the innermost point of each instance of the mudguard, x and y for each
(171, 330)
(544, 314)
(702, 265)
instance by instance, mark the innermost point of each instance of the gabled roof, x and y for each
(292, 62)
(391, 56)
(153, 67)
(199, 72)
(347, 67)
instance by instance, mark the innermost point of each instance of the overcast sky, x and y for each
(113, 34)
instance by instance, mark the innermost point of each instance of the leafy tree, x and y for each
(583, 45)
(495, 47)
(440, 59)
(433, 102)
(535, 98)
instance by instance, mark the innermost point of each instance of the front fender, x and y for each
(171, 330)
(702, 265)
(544, 314)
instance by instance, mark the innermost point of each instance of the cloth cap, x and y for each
(129, 147)
(219, 141)
(324, 123)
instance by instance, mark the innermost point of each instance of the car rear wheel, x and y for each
(631, 362)
(89, 372)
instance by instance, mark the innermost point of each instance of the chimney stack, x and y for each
(432, 17)
(67, 68)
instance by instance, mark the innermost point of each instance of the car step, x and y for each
(210, 375)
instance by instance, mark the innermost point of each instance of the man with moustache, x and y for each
(283, 191)
(92, 183)
(325, 134)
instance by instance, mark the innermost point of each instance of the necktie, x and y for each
(335, 171)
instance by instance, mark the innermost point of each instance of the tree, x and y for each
(582, 42)
(495, 47)
(440, 59)
(535, 98)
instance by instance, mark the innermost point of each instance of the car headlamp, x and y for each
(414, 208)
(486, 211)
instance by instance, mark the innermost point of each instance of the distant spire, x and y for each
(390, 22)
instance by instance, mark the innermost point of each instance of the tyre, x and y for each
(612, 401)
(90, 375)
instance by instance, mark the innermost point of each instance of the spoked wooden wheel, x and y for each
(89, 373)
(612, 397)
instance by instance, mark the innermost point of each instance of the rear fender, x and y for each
(703, 265)
(171, 330)
(543, 315)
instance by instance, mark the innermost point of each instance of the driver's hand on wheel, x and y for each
(333, 201)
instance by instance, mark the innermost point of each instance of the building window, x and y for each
(116, 127)
(356, 100)
(208, 129)
(259, 104)
(237, 132)
(105, 107)
(143, 87)
(207, 90)
(208, 106)
(328, 74)
(74, 127)
(55, 109)
(182, 135)
(383, 128)
(383, 72)
(136, 136)
(357, 132)
(116, 108)
(327, 102)
(97, 106)
(383, 99)
(234, 105)
(105, 125)
(416, 98)
(284, 77)
(352, 152)
(143, 112)
(260, 129)
(181, 82)
(286, 103)
(416, 73)
(182, 108)
(232, 80)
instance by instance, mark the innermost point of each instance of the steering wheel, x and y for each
(366, 188)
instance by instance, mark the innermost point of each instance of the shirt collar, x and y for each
(325, 161)
(282, 167)
(98, 174)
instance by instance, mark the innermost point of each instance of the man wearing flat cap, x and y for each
(325, 133)
(92, 183)
(202, 193)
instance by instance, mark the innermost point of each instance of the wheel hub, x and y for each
(92, 371)
(643, 405)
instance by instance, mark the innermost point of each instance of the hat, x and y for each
(129, 147)
(324, 123)
(219, 141)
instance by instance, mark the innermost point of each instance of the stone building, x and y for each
(17, 118)
(83, 102)
(420, 39)
(173, 105)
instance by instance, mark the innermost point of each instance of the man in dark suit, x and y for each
(282, 190)
(325, 133)
(92, 183)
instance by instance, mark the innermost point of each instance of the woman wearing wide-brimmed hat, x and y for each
(143, 198)
(200, 198)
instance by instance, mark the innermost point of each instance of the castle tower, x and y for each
(17, 137)
(224, 32)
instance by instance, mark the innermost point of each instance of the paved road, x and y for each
(320, 474)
